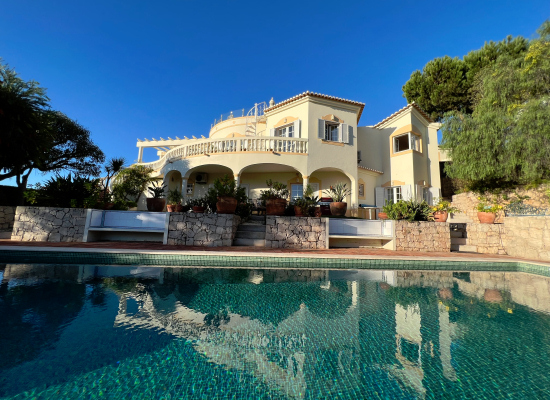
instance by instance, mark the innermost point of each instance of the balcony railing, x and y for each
(228, 146)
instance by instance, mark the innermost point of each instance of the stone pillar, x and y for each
(306, 182)
(140, 154)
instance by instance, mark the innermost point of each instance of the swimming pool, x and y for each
(84, 331)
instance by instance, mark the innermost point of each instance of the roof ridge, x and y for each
(413, 104)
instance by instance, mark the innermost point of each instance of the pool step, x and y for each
(251, 233)
(464, 248)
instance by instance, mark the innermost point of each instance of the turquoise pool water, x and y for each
(86, 332)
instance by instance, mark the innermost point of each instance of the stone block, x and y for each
(54, 237)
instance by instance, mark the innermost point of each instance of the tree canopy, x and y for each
(35, 137)
(506, 138)
(445, 83)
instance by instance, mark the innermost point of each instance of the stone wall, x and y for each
(528, 237)
(49, 224)
(197, 229)
(422, 236)
(296, 232)
(488, 238)
(7, 218)
(467, 202)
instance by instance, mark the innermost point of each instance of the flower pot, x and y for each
(445, 294)
(441, 216)
(318, 212)
(198, 209)
(299, 211)
(156, 204)
(108, 206)
(226, 205)
(179, 208)
(486, 217)
(492, 296)
(171, 207)
(275, 207)
(382, 215)
(338, 208)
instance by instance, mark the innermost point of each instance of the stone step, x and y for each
(250, 235)
(249, 242)
(465, 248)
(260, 218)
(251, 227)
(459, 241)
(457, 234)
(459, 219)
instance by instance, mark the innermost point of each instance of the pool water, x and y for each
(204, 333)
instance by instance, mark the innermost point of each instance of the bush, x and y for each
(410, 210)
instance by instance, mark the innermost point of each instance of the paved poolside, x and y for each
(158, 248)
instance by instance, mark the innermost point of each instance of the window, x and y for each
(426, 195)
(331, 132)
(296, 191)
(405, 142)
(361, 190)
(393, 194)
(285, 131)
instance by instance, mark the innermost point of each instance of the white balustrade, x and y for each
(254, 144)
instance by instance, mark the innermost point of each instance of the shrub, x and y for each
(338, 192)
(410, 210)
(276, 190)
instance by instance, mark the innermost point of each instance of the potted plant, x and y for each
(198, 205)
(442, 209)
(338, 193)
(306, 205)
(274, 197)
(228, 194)
(174, 201)
(486, 211)
(386, 209)
(157, 202)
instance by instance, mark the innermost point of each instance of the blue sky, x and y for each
(142, 69)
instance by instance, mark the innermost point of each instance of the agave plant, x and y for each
(338, 192)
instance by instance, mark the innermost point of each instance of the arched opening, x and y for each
(253, 177)
(199, 179)
(173, 180)
(324, 178)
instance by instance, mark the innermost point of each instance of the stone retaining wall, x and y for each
(296, 232)
(7, 218)
(49, 224)
(422, 236)
(528, 237)
(488, 238)
(197, 229)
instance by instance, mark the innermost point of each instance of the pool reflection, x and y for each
(291, 333)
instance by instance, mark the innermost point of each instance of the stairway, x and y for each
(459, 238)
(251, 232)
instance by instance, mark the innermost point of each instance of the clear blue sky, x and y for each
(143, 69)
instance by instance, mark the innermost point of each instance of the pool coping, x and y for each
(232, 259)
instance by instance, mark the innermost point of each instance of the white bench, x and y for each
(126, 226)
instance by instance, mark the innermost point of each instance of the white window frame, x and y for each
(301, 191)
(393, 194)
(285, 131)
(413, 141)
(329, 134)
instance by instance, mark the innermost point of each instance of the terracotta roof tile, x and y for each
(413, 104)
(369, 169)
(322, 96)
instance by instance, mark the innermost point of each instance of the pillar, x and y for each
(140, 154)
(183, 190)
(306, 182)
(238, 179)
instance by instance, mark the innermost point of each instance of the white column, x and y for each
(306, 182)
(140, 154)
(237, 179)
(183, 190)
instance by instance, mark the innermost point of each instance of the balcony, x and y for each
(232, 146)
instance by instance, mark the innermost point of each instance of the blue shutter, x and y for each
(321, 129)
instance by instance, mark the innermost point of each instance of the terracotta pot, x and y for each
(156, 204)
(492, 296)
(318, 212)
(179, 208)
(382, 215)
(298, 211)
(486, 217)
(198, 209)
(441, 216)
(275, 207)
(338, 208)
(108, 206)
(445, 294)
(171, 207)
(226, 205)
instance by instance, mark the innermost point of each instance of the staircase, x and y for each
(459, 238)
(251, 233)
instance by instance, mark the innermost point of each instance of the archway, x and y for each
(199, 179)
(254, 177)
(327, 177)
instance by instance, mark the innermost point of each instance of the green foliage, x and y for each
(174, 196)
(113, 167)
(157, 189)
(199, 202)
(276, 190)
(225, 186)
(408, 209)
(443, 205)
(308, 202)
(445, 83)
(244, 210)
(486, 205)
(130, 183)
(338, 192)
(66, 192)
(506, 140)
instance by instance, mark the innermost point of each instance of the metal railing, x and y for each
(229, 115)
(237, 145)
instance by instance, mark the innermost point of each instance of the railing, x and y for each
(229, 115)
(360, 228)
(237, 145)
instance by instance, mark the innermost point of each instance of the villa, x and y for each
(312, 139)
